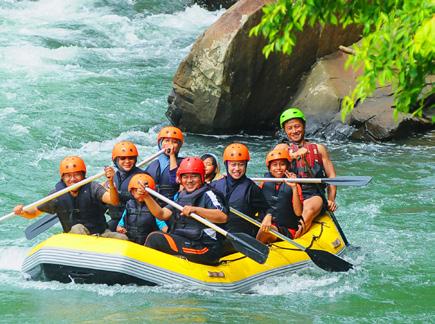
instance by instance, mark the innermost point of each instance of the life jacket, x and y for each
(139, 222)
(189, 227)
(115, 212)
(315, 162)
(83, 209)
(280, 197)
(162, 179)
(238, 199)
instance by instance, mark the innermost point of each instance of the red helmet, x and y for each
(72, 164)
(191, 165)
(139, 178)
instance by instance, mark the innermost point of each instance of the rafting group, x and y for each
(141, 203)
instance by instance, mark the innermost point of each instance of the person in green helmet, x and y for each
(309, 160)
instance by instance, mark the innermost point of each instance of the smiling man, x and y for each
(80, 211)
(310, 160)
(187, 237)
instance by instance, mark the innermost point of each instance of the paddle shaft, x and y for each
(73, 187)
(275, 233)
(337, 181)
(193, 215)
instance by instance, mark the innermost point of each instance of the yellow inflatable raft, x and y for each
(91, 259)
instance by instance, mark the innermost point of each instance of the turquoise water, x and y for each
(76, 76)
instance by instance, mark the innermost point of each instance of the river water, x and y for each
(76, 76)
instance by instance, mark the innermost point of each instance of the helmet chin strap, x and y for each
(115, 162)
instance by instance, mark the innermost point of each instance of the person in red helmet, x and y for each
(164, 169)
(79, 211)
(310, 160)
(124, 157)
(187, 237)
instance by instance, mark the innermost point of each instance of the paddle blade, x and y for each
(40, 226)
(328, 261)
(249, 246)
(348, 181)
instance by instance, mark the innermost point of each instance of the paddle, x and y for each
(242, 242)
(70, 188)
(40, 226)
(337, 181)
(323, 259)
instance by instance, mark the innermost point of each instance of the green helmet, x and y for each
(291, 113)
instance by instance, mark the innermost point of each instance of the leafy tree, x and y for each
(397, 46)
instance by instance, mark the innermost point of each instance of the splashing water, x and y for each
(78, 76)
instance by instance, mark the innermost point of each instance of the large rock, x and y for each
(216, 4)
(320, 96)
(226, 85)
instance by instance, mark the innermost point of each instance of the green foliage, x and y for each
(397, 46)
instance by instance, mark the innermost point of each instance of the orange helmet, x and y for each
(72, 164)
(277, 154)
(139, 178)
(191, 165)
(281, 146)
(124, 148)
(170, 132)
(236, 152)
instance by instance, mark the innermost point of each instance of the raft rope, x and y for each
(232, 260)
(314, 238)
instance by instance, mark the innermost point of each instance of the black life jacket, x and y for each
(238, 199)
(139, 222)
(163, 184)
(280, 196)
(115, 212)
(315, 162)
(189, 227)
(82, 209)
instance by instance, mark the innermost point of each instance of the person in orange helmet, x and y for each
(79, 211)
(124, 157)
(284, 197)
(164, 169)
(240, 191)
(137, 222)
(188, 237)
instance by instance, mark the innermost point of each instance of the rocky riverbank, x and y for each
(225, 84)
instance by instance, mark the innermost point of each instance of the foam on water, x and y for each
(145, 141)
(189, 20)
(11, 258)
(5, 112)
(79, 76)
(19, 130)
